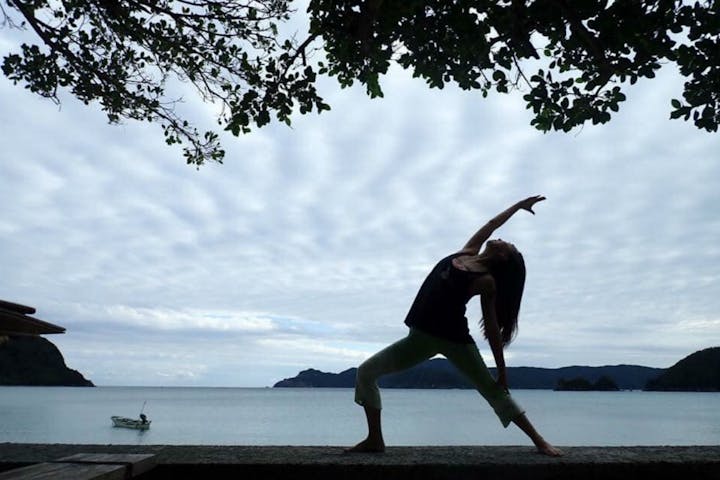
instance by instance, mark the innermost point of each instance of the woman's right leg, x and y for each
(542, 445)
(401, 355)
(468, 360)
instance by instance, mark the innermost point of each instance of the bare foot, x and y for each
(367, 446)
(546, 449)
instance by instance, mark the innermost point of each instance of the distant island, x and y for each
(580, 384)
(697, 372)
(35, 361)
(439, 373)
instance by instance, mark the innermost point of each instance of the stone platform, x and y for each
(406, 463)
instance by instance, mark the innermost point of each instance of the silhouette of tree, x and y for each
(123, 53)
(575, 384)
(572, 57)
(580, 384)
(569, 59)
(605, 384)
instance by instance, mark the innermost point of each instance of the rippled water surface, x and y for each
(264, 416)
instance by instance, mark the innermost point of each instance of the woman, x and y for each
(438, 325)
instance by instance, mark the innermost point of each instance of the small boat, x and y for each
(141, 423)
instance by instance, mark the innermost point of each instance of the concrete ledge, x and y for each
(406, 463)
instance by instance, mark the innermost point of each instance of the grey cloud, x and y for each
(328, 229)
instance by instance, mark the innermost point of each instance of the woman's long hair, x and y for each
(509, 276)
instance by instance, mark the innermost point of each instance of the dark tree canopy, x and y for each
(570, 55)
(569, 59)
(122, 53)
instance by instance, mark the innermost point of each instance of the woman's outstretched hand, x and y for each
(529, 202)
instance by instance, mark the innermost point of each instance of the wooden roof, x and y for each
(15, 319)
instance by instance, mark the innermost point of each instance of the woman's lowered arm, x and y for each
(492, 330)
(476, 242)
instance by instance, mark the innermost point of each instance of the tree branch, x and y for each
(591, 43)
(300, 50)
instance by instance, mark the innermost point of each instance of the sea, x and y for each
(329, 417)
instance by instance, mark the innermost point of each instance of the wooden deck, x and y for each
(85, 466)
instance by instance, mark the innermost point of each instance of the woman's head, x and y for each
(507, 266)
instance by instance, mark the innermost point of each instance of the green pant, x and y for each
(419, 346)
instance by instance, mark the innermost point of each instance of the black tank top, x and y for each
(439, 307)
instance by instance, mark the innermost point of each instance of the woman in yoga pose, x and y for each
(438, 325)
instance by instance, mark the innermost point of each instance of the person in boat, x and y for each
(438, 325)
(143, 419)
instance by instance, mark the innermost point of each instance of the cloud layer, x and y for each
(306, 247)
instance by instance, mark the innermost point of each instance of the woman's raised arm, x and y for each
(476, 242)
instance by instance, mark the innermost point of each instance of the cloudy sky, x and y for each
(306, 247)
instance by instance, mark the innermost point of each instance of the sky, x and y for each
(306, 247)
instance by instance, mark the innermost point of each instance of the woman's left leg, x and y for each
(402, 354)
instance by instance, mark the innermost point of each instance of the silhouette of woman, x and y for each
(438, 325)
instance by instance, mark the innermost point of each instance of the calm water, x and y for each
(250, 416)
